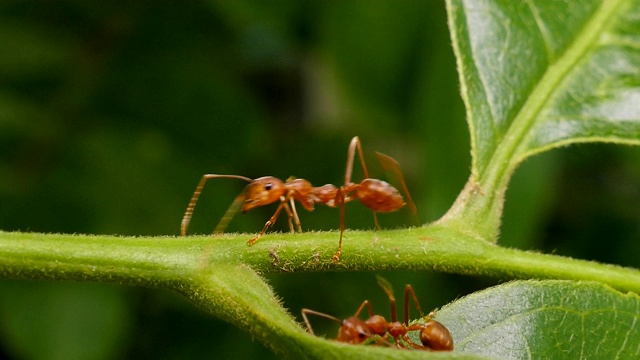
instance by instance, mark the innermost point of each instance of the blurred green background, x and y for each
(110, 112)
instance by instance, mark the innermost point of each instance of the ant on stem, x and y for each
(377, 195)
(433, 335)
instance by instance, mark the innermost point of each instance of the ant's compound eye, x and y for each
(362, 335)
(268, 186)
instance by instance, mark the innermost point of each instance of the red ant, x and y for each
(375, 194)
(433, 335)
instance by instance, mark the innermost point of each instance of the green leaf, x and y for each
(546, 320)
(536, 75)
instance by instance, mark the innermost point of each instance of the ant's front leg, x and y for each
(369, 307)
(272, 220)
(196, 194)
(306, 312)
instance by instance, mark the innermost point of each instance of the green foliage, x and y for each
(110, 114)
(569, 320)
(578, 85)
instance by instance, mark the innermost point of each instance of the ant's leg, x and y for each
(340, 200)
(306, 312)
(383, 340)
(390, 164)
(296, 219)
(353, 146)
(196, 194)
(397, 342)
(340, 195)
(271, 221)
(412, 344)
(375, 221)
(228, 215)
(290, 215)
(409, 289)
(369, 307)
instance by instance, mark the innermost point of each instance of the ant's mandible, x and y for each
(433, 335)
(377, 195)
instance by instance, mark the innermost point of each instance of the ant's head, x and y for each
(354, 331)
(262, 191)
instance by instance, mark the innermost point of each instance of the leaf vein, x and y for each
(544, 31)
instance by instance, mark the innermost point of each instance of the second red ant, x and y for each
(377, 195)
(433, 335)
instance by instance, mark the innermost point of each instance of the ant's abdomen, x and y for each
(379, 196)
(436, 336)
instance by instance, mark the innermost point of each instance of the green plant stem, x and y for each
(170, 261)
(215, 273)
(220, 274)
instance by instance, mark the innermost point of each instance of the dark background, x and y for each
(110, 112)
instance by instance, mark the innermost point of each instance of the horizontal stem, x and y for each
(158, 261)
(220, 274)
